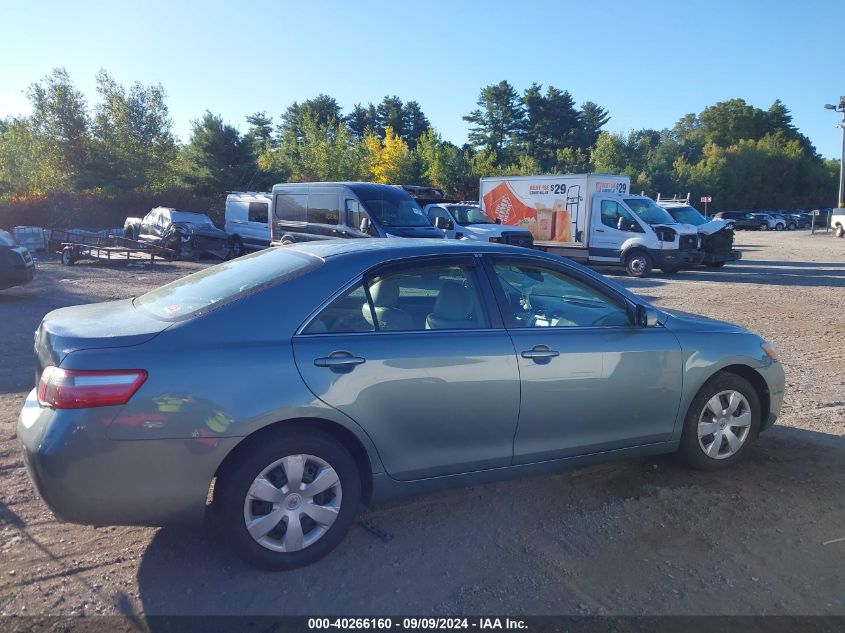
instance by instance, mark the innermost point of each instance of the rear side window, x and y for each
(216, 286)
(258, 211)
(291, 207)
(323, 208)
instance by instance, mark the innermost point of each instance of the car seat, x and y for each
(384, 294)
(453, 308)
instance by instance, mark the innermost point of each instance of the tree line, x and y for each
(123, 148)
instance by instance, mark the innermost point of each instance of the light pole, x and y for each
(840, 108)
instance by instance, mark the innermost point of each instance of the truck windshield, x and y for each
(648, 210)
(396, 212)
(687, 215)
(469, 214)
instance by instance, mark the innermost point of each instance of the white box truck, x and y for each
(592, 218)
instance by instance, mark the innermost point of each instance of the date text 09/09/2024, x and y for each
(431, 623)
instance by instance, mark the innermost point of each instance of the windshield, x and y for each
(648, 210)
(193, 218)
(469, 214)
(224, 283)
(7, 239)
(687, 215)
(396, 212)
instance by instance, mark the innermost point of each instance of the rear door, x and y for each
(413, 355)
(257, 227)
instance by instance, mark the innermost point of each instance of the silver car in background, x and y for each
(372, 369)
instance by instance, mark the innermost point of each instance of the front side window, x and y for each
(649, 211)
(469, 214)
(438, 212)
(425, 297)
(354, 214)
(618, 217)
(544, 297)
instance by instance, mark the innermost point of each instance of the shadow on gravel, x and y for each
(545, 545)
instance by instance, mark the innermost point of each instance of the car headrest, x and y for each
(385, 292)
(453, 302)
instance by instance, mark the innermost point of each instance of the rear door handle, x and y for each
(540, 353)
(339, 359)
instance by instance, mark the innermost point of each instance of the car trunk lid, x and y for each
(94, 326)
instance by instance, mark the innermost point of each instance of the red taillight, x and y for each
(81, 389)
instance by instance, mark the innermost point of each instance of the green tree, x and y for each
(322, 109)
(390, 113)
(133, 145)
(61, 122)
(593, 117)
(217, 158)
(497, 122)
(551, 124)
(362, 120)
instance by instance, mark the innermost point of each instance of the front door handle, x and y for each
(599, 230)
(540, 353)
(339, 360)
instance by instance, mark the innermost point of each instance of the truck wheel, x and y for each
(236, 247)
(638, 264)
(68, 257)
(778, 227)
(764, 227)
(840, 231)
(715, 264)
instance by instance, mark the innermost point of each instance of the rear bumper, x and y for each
(86, 478)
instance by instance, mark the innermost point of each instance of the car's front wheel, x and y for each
(287, 499)
(722, 421)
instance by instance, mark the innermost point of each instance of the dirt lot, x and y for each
(640, 537)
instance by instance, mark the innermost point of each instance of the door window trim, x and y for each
(490, 261)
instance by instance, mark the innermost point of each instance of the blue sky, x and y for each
(648, 63)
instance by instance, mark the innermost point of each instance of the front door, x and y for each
(412, 356)
(591, 381)
(612, 225)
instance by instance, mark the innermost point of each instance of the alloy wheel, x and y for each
(724, 424)
(292, 503)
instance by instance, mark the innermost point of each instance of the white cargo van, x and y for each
(593, 218)
(247, 220)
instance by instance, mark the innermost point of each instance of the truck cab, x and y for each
(634, 231)
(466, 220)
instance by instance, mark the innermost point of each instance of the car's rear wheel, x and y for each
(721, 423)
(778, 227)
(764, 227)
(236, 247)
(287, 500)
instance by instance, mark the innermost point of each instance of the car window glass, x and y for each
(437, 212)
(616, 216)
(343, 315)
(353, 214)
(427, 298)
(290, 207)
(323, 209)
(543, 297)
(258, 211)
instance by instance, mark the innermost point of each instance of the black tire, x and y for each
(68, 256)
(638, 263)
(715, 264)
(236, 247)
(764, 227)
(779, 227)
(690, 450)
(670, 270)
(129, 238)
(792, 226)
(251, 459)
(840, 231)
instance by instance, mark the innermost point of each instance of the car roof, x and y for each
(404, 247)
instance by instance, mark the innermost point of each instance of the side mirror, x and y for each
(443, 224)
(646, 316)
(366, 226)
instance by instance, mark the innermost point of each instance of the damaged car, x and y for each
(184, 234)
(717, 235)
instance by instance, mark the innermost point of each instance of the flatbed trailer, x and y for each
(74, 246)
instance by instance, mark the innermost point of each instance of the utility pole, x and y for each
(841, 124)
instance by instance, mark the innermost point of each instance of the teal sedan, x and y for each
(278, 392)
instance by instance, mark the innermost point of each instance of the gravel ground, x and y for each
(639, 537)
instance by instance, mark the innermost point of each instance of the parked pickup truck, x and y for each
(184, 233)
(592, 218)
(717, 236)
